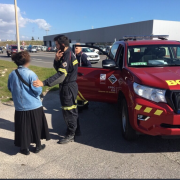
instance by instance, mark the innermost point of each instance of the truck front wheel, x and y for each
(127, 131)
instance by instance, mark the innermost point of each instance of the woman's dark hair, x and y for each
(21, 58)
(62, 39)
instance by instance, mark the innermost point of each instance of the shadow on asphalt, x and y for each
(100, 128)
(7, 146)
(6, 124)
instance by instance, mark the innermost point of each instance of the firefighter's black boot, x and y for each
(67, 139)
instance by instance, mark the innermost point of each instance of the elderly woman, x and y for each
(30, 121)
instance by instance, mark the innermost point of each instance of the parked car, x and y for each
(32, 49)
(25, 47)
(92, 56)
(53, 49)
(108, 49)
(95, 50)
(22, 47)
(1, 50)
(39, 48)
(44, 48)
(102, 48)
(49, 49)
(12, 49)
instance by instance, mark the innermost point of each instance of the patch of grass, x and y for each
(42, 73)
(27, 42)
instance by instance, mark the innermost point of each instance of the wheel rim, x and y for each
(123, 119)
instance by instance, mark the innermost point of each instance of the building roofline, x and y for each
(111, 26)
(101, 27)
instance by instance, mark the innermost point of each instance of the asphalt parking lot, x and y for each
(100, 152)
(45, 59)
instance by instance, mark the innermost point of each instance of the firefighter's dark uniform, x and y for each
(66, 76)
(82, 62)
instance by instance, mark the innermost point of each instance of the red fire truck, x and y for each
(142, 75)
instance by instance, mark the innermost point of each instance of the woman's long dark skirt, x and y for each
(30, 127)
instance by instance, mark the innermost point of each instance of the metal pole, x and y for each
(17, 27)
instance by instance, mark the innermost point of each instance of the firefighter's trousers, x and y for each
(68, 94)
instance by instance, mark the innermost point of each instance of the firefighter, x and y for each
(82, 61)
(66, 66)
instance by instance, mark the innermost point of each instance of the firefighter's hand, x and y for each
(37, 83)
(58, 56)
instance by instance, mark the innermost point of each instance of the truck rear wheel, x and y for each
(127, 131)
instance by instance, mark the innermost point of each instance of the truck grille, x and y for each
(173, 100)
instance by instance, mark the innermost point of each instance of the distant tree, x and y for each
(32, 39)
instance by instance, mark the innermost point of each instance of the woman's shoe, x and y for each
(38, 149)
(25, 151)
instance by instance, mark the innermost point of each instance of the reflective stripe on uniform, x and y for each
(79, 98)
(75, 62)
(63, 70)
(69, 107)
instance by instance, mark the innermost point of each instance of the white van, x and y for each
(43, 48)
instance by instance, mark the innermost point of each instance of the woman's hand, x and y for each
(38, 83)
(58, 56)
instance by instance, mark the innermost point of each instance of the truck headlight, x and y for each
(153, 94)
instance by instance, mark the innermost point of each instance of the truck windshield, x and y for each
(154, 55)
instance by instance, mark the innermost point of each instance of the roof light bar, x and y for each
(131, 37)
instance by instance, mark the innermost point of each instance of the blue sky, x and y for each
(74, 15)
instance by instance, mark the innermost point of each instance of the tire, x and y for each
(127, 131)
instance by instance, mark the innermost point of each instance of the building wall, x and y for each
(108, 34)
(171, 28)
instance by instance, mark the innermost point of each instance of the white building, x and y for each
(108, 34)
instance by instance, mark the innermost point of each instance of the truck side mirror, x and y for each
(108, 64)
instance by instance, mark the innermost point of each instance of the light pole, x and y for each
(46, 31)
(17, 27)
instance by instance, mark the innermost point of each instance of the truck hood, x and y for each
(158, 77)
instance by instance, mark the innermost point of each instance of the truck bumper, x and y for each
(158, 118)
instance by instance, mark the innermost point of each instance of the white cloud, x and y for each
(7, 21)
(24, 37)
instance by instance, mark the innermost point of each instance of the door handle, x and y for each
(80, 74)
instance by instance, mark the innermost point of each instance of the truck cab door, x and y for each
(100, 84)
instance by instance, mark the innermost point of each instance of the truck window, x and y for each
(113, 51)
(120, 58)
